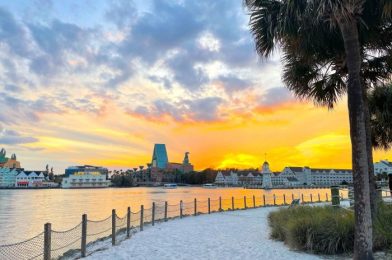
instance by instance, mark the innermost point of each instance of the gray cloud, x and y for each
(198, 110)
(121, 12)
(275, 96)
(176, 26)
(149, 36)
(11, 137)
(205, 109)
(17, 111)
(185, 73)
(14, 34)
(55, 41)
(167, 31)
(232, 83)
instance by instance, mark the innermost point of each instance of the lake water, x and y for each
(23, 213)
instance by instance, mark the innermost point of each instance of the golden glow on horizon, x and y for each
(296, 134)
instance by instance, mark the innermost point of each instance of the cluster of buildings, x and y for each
(289, 177)
(88, 176)
(12, 175)
(160, 164)
(160, 161)
(161, 170)
(157, 171)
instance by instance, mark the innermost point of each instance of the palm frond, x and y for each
(380, 107)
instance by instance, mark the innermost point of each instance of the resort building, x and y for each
(183, 167)
(30, 179)
(315, 176)
(6, 162)
(227, 179)
(383, 166)
(160, 162)
(302, 174)
(159, 156)
(331, 176)
(85, 176)
(8, 177)
(277, 179)
(289, 177)
(250, 178)
(21, 178)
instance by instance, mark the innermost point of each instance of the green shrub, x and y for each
(383, 227)
(276, 222)
(326, 230)
(323, 230)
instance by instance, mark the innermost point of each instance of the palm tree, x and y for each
(380, 106)
(293, 26)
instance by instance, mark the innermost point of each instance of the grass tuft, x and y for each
(326, 230)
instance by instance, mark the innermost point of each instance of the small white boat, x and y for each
(209, 186)
(170, 186)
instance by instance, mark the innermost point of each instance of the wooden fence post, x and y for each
(141, 217)
(47, 241)
(113, 227)
(245, 202)
(232, 203)
(165, 211)
(220, 203)
(274, 200)
(209, 206)
(292, 196)
(302, 196)
(284, 199)
(128, 222)
(84, 235)
(311, 197)
(254, 201)
(335, 196)
(319, 199)
(326, 195)
(195, 203)
(153, 214)
(264, 199)
(180, 208)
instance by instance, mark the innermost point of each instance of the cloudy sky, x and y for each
(99, 82)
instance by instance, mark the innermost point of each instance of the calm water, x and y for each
(23, 213)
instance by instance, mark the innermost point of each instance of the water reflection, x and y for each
(23, 213)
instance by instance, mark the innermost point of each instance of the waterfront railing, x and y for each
(93, 235)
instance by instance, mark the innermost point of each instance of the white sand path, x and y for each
(240, 234)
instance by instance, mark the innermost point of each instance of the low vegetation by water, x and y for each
(326, 230)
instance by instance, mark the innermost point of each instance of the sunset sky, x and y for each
(99, 82)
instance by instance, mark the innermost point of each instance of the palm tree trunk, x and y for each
(372, 180)
(363, 237)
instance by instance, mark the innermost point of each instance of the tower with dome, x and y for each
(267, 176)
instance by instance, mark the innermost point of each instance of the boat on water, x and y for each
(170, 186)
(209, 186)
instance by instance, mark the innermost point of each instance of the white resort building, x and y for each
(30, 179)
(289, 177)
(8, 177)
(283, 179)
(331, 176)
(315, 176)
(251, 178)
(227, 179)
(86, 176)
(21, 178)
(383, 166)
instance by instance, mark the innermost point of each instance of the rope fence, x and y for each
(92, 235)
